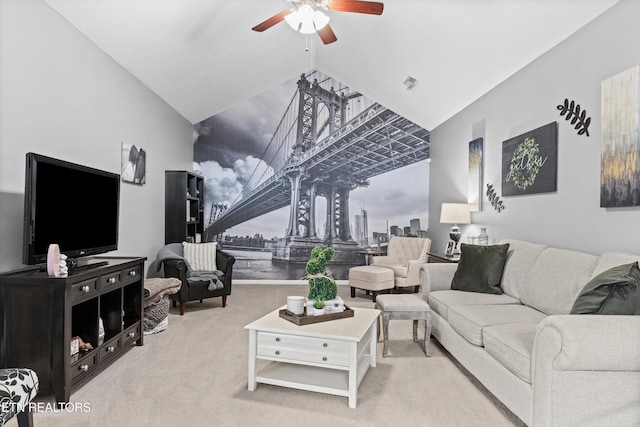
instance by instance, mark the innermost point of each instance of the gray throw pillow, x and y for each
(614, 291)
(480, 268)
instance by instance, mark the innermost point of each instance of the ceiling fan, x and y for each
(307, 17)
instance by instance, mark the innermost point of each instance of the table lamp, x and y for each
(455, 213)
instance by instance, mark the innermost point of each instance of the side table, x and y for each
(440, 257)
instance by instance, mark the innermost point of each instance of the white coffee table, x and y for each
(327, 357)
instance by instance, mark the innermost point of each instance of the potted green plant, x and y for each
(321, 284)
(318, 307)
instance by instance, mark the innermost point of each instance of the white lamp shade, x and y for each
(455, 213)
(306, 20)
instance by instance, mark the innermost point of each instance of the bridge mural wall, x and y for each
(310, 163)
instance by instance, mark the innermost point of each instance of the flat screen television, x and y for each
(72, 205)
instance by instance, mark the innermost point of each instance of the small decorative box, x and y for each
(75, 345)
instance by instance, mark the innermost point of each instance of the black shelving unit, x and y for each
(40, 315)
(183, 206)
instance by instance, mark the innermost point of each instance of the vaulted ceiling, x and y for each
(201, 56)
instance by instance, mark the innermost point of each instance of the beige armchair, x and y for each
(405, 256)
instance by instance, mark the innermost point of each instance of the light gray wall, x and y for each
(570, 218)
(63, 97)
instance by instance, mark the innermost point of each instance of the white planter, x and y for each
(318, 311)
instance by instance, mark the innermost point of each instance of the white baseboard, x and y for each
(280, 282)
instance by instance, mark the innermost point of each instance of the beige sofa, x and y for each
(548, 367)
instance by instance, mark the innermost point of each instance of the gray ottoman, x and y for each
(371, 278)
(405, 306)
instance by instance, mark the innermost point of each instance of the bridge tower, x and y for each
(320, 112)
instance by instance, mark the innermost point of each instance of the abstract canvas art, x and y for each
(620, 169)
(475, 175)
(530, 162)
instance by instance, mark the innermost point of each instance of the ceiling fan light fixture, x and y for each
(306, 20)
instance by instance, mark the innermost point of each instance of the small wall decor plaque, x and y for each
(494, 199)
(571, 111)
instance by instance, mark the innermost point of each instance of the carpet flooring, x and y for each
(195, 374)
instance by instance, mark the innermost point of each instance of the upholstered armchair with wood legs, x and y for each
(194, 288)
(405, 256)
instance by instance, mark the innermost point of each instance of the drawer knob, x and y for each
(111, 280)
(325, 345)
(277, 339)
(132, 273)
(111, 349)
(85, 288)
(84, 368)
(324, 359)
(277, 352)
(131, 334)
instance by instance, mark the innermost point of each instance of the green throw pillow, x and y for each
(614, 291)
(480, 268)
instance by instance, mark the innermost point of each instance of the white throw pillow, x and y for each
(201, 256)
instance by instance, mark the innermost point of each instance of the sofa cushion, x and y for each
(399, 270)
(614, 291)
(480, 268)
(470, 320)
(512, 346)
(556, 278)
(520, 258)
(440, 301)
(612, 259)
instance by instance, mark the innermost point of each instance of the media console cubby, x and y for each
(39, 315)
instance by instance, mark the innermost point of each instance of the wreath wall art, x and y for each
(530, 162)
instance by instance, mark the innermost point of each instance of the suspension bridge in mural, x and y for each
(327, 144)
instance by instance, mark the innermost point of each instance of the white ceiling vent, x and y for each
(410, 82)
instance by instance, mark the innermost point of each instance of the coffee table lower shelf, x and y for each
(312, 378)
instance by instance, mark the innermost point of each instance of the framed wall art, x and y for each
(620, 170)
(133, 164)
(449, 248)
(530, 162)
(475, 175)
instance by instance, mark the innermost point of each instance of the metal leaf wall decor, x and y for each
(572, 111)
(494, 199)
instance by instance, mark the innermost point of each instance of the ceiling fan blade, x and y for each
(356, 6)
(326, 34)
(275, 19)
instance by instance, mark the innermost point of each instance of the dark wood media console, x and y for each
(39, 315)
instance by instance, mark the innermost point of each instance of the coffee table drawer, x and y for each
(292, 347)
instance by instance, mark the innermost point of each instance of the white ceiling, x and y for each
(201, 56)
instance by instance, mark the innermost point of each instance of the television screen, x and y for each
(72, 205)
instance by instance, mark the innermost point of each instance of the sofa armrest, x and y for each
(577, 357)
(225, 262)
(436, 277)
(413, 272)
(177, 268)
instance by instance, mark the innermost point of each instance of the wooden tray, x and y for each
(303, 319)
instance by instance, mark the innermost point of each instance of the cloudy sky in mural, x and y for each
(228, 148)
